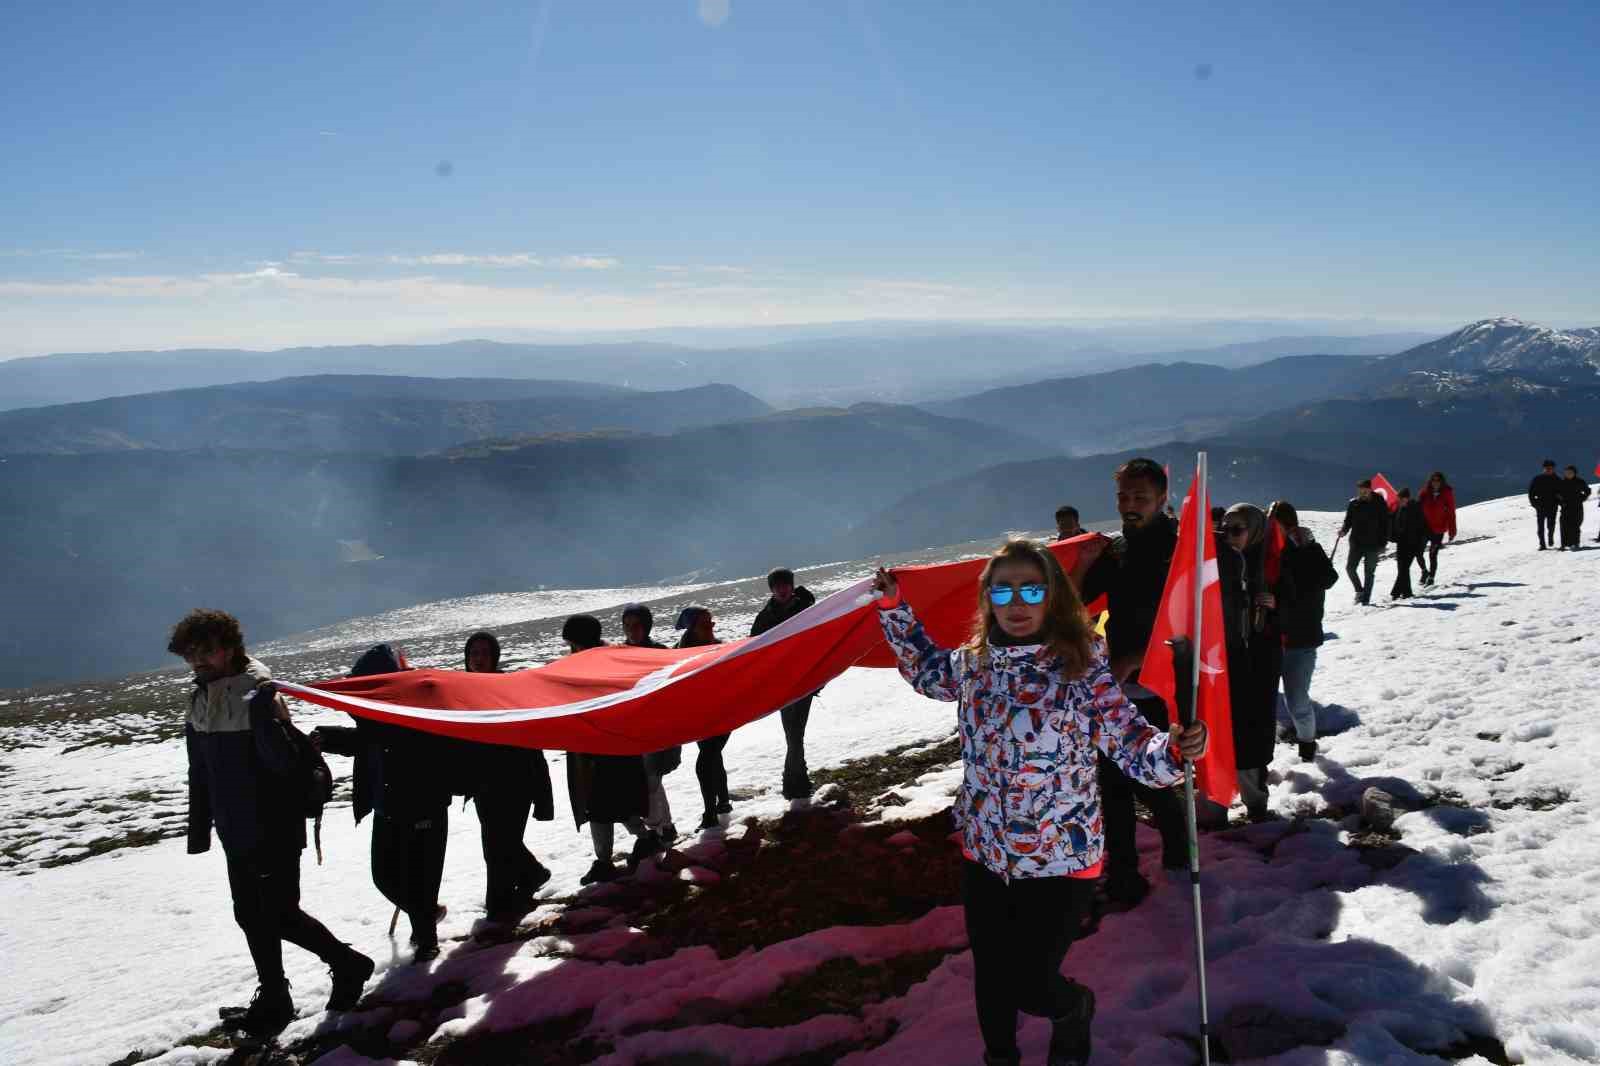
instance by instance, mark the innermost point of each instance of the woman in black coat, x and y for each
(1250, 608)
(1574, 491)
(699, 630)
(604, 789)
(508, 783)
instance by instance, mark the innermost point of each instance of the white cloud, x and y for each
(588, 262)
(72, 254)
(708, 268)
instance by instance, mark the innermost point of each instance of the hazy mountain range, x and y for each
(302, 501)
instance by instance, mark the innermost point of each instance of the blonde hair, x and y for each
(1066, 632)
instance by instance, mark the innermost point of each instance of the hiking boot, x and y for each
(708, 820)
(1126, 886)
(427, 950)
(349, 977)
(541, 874)
(724, 807)
(1308, 751)
(600, 872)
(270, 1011)
(648, 844)
(1069, 1034)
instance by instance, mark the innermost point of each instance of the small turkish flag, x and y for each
(1215, 775)
(1381, 486)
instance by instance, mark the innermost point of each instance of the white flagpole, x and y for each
(1202, 515)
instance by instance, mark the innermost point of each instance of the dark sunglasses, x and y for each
(1233, 528)
(1032, 595)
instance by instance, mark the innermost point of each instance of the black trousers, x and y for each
(796, 776)
(408, 864)
(1571, 527)
(711, 772)
(508, 864)
(1547, 526)
(266, 904)
(1404, 556)
(1019, 932)
(1431, 567)
(1117, 793)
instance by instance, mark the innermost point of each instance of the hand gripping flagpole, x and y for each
(1186, 679)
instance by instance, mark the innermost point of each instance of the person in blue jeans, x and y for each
(1310, 574)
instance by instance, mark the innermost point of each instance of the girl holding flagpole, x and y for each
(1037, 703)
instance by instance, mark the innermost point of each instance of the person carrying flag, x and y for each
(1131, 571)
(1366, 523)
(1038, 705)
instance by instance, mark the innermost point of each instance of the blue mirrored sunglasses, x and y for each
(1032, 595)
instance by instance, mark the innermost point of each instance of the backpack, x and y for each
(313, 783)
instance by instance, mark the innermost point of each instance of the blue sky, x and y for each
(305, 173)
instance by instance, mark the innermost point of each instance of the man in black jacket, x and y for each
(1544, 494)
(1366, 523)
(1410, 538)
(1574, 490)
(788, 600)
(1132, 572)
(246, 778)
(657, 833)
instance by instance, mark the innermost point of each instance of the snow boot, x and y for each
(600, 872)
(1069, 1034)
(350, 976)
(708, 820)
(648, 844)
(270, 1011)
(1308, 750)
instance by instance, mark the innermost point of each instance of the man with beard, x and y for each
(245, 777)
(1131, 571)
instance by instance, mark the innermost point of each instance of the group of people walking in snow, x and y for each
(249, 769)
(1058, 737)
(1562, 497)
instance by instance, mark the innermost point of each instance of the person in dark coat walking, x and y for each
(1438, 501)
(1307, 575)
(1366, 523)
(699, 631)
(637, 621)
(1574, 491)
(246, 778)
(786, 601)
(1131, 572)
(1544, 495)
(1410, 533)
(603, 789)
(510, 783)
(403, 777)
(1250, 602)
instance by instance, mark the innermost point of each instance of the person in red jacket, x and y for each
(1438, 501)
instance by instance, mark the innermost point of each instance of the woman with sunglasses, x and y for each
(1037, 703)
(1250, 606)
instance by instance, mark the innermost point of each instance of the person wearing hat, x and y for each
(699, 630)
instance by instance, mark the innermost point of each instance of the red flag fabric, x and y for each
(1272, 551)
(1381, 486)
(627, 701)
(1216, 774)
(1597, 470)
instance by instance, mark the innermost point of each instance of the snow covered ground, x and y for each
(1472, 704)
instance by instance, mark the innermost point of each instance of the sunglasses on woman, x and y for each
(1032, 595)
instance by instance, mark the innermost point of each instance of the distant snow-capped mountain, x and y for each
(1507, 345)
